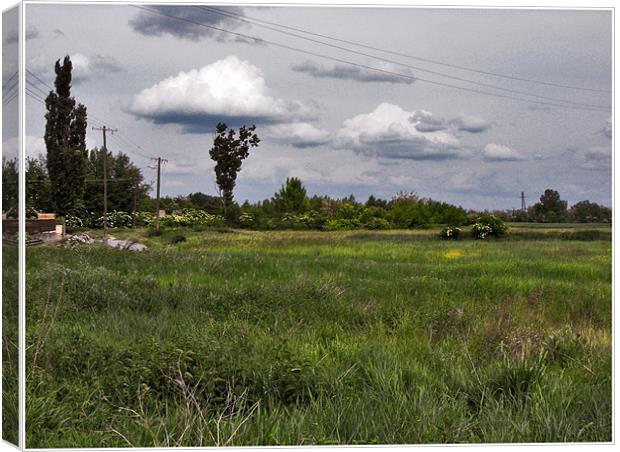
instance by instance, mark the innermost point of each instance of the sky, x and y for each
(378, 126)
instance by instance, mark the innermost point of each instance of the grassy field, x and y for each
(278, 338)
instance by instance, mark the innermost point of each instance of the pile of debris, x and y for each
(80, 239)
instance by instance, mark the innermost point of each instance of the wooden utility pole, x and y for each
(523, 202)
(135, 203)
(105, 129)
(159, 162)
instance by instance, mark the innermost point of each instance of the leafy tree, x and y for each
(229, 150)
(550, 209)
(207, 202)
(65, 140)
(10, 189)
(589, 212)
(291, 197)
(38, 187)
(376, 202)
(122, 175)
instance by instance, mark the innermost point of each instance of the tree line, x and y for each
(68, 181)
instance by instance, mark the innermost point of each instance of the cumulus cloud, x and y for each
(298, 134)
(499, 152)
(388, 132)
(471, 124)
(425, 121)
(88, 67)
(85, 67)
(346, 72)
(163, 22)
(229, 90)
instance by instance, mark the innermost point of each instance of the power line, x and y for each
(417, 68)
(418, 58)
(138, 149)
(9, 79)
(384, 71)
(90, 115)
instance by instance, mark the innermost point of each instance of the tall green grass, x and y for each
(279, 338)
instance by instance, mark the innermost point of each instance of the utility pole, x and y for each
(105, 129)
(523, 202)
(159, 162)
(135, 202)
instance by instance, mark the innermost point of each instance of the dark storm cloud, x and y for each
(153, 24)
(345, 72)
(205, 123)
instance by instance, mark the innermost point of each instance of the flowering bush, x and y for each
(486, 225)
(307, 220)
(144, 218)
(481, 231)
(192, 217)
(451, 232)
(247, 220)
(71, 221)
(114, 219)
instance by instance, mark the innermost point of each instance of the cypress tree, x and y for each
(65, 140)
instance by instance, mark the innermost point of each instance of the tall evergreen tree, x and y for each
(65, 140)
(292, 197)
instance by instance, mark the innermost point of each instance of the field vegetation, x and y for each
(219, 336)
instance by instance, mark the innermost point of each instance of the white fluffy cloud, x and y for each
(87, 67)
(298, 134)
(499, 152)
(229, 90)
(391, 132)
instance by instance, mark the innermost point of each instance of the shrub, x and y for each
(144, 218)
(152, 232)
(192, 217)
(247, 220)
(73, 222)
(451, 232)
(114, 219)
(377, 223)
(178, 238)
(487, 225)
(341, 224)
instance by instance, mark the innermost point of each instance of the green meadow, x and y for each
(235, 337)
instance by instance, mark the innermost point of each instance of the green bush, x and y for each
(341, 224)
(377, 223)
(178, 238)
